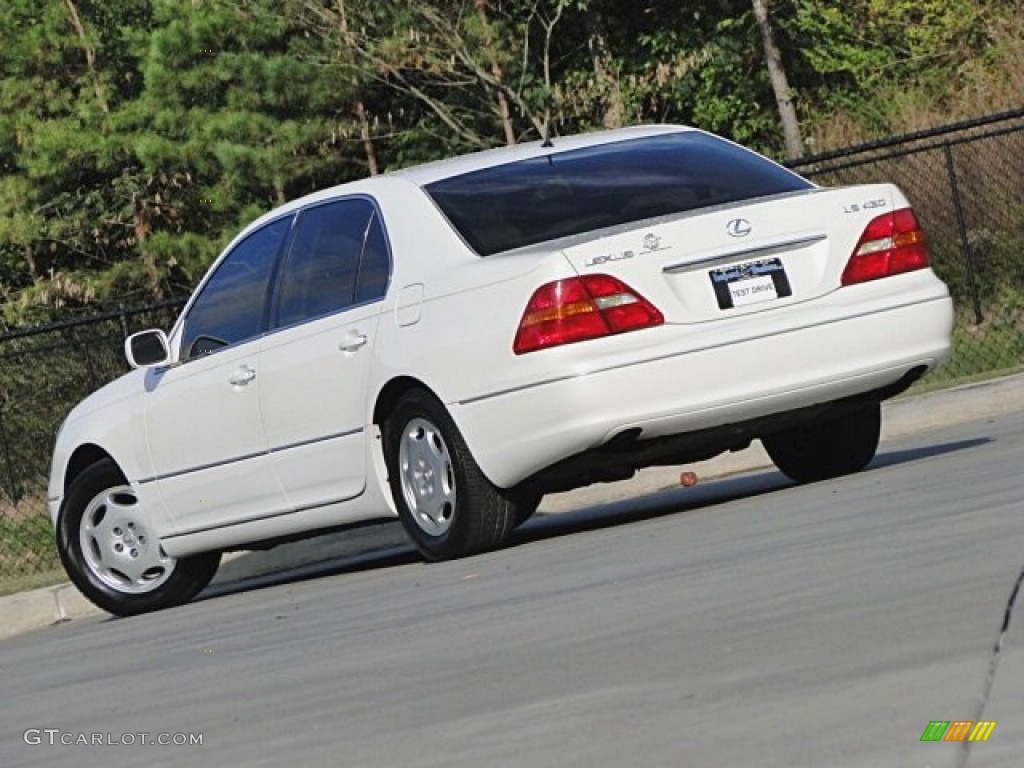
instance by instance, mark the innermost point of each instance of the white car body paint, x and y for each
(295, 448)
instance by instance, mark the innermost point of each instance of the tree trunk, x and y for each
(364, 132)
(30, 262)
(615, 109)
(503, 111)
(90, 54)
(780, 83)
(502, 101)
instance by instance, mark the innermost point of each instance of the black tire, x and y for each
(109, 553)
(837, 445)
(447, 506)
(526, 506)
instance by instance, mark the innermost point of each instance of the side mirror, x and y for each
(147, 349)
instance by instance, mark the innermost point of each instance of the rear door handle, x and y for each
(242, 376)
(353, 341)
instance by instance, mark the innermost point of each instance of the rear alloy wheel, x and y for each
(112, 555)
(837, 445)
(446, 505)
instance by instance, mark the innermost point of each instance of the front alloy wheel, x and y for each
(111, 554)
(117, 547)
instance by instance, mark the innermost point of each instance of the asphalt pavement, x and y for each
(49, 606)
(745, 621)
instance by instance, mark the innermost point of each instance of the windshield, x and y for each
(569, 193)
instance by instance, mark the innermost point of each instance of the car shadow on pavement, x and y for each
(543, 526)
(894, 458)
(389, 557)
(671, 500)
(674, 500)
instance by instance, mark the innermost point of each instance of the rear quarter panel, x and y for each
(451, 316)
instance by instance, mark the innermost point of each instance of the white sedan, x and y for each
(448, 343)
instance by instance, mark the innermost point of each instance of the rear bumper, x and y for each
(692, 386)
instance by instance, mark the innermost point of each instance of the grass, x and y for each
(28, 554)
(981, 351)
(13, 584)
(28, 558)
(938, 381)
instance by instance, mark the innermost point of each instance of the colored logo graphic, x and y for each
(958, 730)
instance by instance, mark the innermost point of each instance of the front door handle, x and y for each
(352, 342)
(242, 376)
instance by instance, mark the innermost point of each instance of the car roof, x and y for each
(421, 175)
(489, 158)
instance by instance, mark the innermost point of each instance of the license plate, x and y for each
(750, 283)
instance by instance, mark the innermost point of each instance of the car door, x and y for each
(203, 424)
(315, 365)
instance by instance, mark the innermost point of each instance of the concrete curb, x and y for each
(38, 608)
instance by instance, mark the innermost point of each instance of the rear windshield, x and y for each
(569, 193)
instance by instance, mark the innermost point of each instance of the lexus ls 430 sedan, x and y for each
(448, 343)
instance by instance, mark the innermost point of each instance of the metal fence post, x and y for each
(90, 372)
(961, 227)
(12, 488)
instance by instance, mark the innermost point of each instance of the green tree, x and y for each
(136, 140)
(233, 119)
(66, 67)
(452, 75)
(136, 137)
(864, 56)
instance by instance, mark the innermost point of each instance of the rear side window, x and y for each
(337, 258)
(375, 265)
(230, 307)
(569, 193)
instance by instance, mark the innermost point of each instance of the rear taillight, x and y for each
(582, 308)
(891, 244)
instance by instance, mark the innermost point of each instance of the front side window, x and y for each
(230, 307)
(337, 258)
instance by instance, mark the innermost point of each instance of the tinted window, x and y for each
(568, 193)
(375, 265)
(231, 305)
(319, 274)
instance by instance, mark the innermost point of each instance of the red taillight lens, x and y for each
(891, 244)
(582, 308)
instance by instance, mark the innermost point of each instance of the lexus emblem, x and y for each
(738, 228)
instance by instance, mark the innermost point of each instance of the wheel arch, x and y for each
(392, 392)
(82, 457)
(395, 389)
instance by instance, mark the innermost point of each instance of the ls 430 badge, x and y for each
(865, 206)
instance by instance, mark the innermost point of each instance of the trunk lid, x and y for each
(756, 256)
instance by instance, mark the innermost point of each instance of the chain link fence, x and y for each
(44, 372)
(965, 184)
(964, 181)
